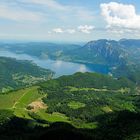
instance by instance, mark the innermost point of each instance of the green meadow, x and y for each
(18, 101)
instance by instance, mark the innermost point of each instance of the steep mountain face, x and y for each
(107, 52)
(131, 47)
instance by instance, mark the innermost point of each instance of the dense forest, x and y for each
(82, 97)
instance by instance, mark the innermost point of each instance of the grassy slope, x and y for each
(8, 100)
(15, 99)
(77, 103)
(18, 101)
(82, 105)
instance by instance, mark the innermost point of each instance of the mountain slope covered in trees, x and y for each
(16, 74)
(80, 106)
(109, 52)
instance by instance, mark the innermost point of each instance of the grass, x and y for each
(8, 100)
(21, 113)
(76, 105)
(28, 97)
(122, 90)
(107, 109)
(54, 117)
(19, 100)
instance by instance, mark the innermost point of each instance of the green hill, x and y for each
(82, 97)
(16, 74)
(85, 105)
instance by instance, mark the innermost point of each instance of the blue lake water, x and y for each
(59, 67)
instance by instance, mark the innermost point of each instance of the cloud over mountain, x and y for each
(118, 15)
(86, 28)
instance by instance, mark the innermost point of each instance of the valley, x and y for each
(85, 98)
(101, 56)
(69, 70)
(57, 65)
(102, 51)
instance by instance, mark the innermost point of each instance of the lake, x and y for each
(59, 67)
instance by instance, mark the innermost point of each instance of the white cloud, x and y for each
(71, 31)
(27, 10)
(86, 28)
(62, 11)
(17, 14)
(58, 30)
(82, 68)
(118, 15)
(49, 3)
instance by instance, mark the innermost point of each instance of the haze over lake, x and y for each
(59, 67)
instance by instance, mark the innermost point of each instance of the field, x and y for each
(18, 101)
(54, 117)
(75, 105)
(7, 101)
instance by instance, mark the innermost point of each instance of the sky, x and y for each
(69, 20)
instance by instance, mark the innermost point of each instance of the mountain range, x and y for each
(109, 52)
(103, 51)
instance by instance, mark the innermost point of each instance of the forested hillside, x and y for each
(15, 74)
(80, 106)
(82, 97)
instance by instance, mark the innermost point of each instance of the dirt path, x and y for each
(14, 106)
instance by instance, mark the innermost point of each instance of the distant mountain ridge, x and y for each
(103, 51)
(108, 52)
